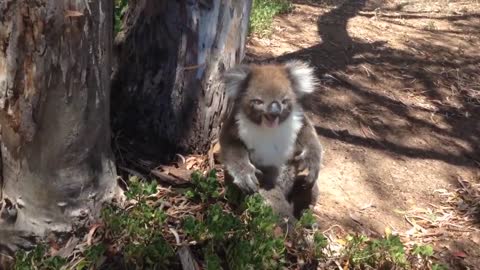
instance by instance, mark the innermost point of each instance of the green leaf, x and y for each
(307, 219)
(424, 251)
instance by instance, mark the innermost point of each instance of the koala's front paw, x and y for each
(311, 174)
(246, 178)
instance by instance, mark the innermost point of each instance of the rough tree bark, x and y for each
(171, 54)
(55, 66)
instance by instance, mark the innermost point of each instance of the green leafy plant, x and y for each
(308, 239)
(119, 11)
(212, 260)
(248, 240)
(92, 257)
(250, 237)
(267, 251)
(423, 251)
(436, 266)
(263, 12)
(204, 188)
(426, 252)
(37, 259)
(362, 251)
(139, 189)
(216, 225)
(320, 242)
(307, 219)
(140, 228)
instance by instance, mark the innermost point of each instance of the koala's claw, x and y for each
(246, 178)
(248, 184)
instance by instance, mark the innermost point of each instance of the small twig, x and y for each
(175, 233)
(164, 177)
(182, 158)
(460, 181)
(416, 226)
(333, 226)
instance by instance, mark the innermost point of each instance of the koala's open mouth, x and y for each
(270, 121)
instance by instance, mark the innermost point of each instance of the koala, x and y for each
(267, 133)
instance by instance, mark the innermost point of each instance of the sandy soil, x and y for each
(398, 113)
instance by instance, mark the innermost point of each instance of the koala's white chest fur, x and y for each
(269, 146)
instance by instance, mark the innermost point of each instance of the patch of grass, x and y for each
(120, 9)
(377, 253)
(308, 223)
(140, 228)
(251, 236)
(261, 16)
(138, 190)
(387, 253)
(250, 239)
(92, 257)
(263, 12)
(37, 259)
(204, 188)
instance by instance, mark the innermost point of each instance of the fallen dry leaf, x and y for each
(91, 232)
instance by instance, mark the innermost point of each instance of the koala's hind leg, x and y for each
(279, 203)
(298, 192)
(302, 195)
(272, 190)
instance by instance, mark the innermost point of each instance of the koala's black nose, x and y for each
(274, 108)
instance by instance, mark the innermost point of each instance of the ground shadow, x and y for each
(338, 52)
(430, 111)
(398, 109)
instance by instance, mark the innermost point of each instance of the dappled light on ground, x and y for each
(398, 112)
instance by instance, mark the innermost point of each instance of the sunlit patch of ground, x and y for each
(398, 112)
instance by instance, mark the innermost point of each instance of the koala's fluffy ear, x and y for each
(303, 77)
(234, 79)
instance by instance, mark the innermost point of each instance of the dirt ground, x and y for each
(398, 113)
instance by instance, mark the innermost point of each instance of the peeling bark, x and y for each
(166, 90)
(55, 61)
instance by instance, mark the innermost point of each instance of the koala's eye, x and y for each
(256, 102)
(285, 101)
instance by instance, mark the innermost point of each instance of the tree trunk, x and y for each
(55, 65)
(166, 90)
